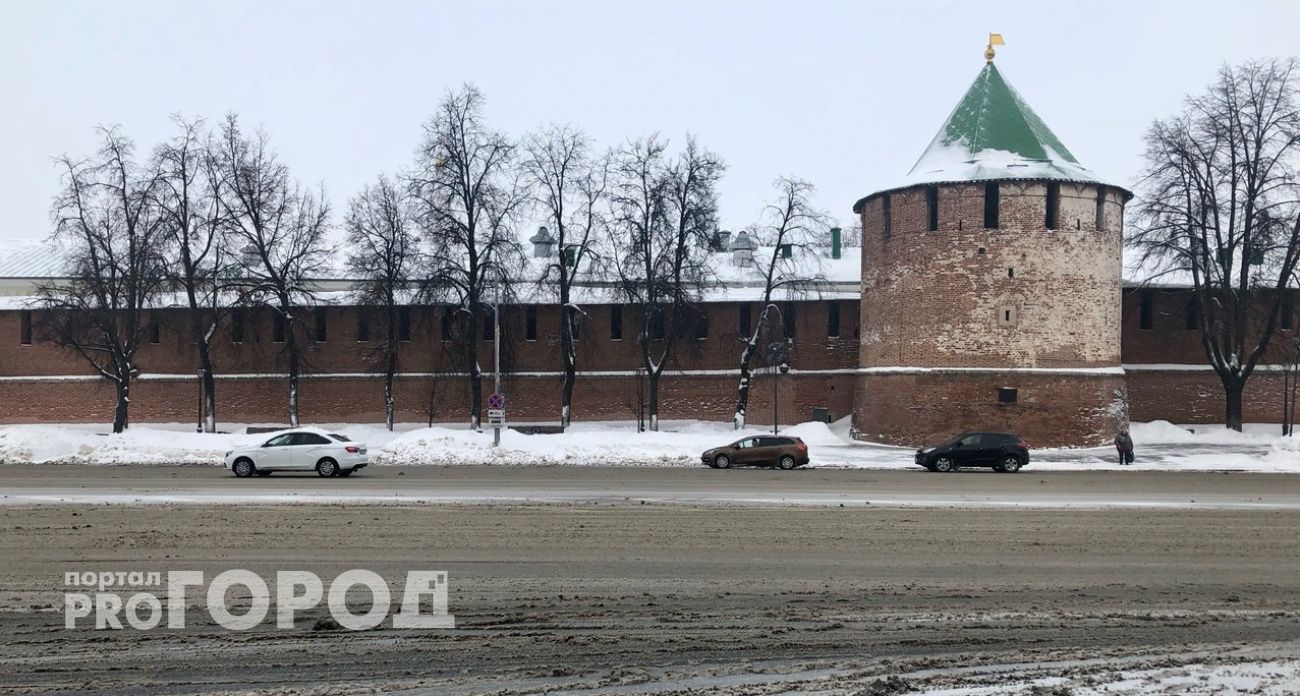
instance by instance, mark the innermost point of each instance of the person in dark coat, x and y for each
(1124, 444)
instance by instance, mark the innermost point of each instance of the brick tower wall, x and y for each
(1018, 306)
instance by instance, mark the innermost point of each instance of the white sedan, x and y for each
(300, 449)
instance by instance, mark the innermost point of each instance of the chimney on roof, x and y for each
(742, 250)
(543, 243)
(836, 243)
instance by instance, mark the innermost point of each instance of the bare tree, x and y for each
(469, 194)
(281, 232)
(789, 263)
(384, 250)
(664, 214)
(570, 186)
(106, 217)
(1220, 206)
(186, 196)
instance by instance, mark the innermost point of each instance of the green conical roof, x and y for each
(992, 116)
(993, 134)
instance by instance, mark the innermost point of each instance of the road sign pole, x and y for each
(496, 360)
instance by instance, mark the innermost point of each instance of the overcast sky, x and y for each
(844, 94)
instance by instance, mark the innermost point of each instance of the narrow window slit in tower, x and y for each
(616, 323)
(991, 205)
(932, 206)
(322, 328)
(363, 327)
(1192, 314)
(25, 327)
(1101, 209)
(1053, 204)
(404, 323)
(447, 318)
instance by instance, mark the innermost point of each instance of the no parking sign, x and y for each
(497, 408)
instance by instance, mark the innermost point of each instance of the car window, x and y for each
(280, 440)
(340, 438)
(309, 439)
(748, 442)
(773, 441)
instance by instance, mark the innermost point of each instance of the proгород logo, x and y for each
(142, 600)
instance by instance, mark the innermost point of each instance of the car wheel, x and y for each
(944, 465)
(722, 461)
(263, 474)
(787, 462)
(327, 467)
(243, 468)
(346, 472)
(1010, 465)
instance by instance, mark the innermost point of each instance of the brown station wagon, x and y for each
(760, 450)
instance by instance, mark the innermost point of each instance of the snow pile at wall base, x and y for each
(1166, 433)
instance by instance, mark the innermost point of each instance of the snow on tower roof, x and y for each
(992, 134)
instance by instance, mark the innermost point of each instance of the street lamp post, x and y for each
(776, 398)
(778, 353)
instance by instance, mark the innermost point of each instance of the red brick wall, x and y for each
(1169, 340)
(334, 399)
(1051, 411)
(1197, 397)
(426, 352)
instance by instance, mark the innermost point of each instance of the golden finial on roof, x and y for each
(994, 40)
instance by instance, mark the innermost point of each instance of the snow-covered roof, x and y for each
(993, 134)
(24, 263)
(24, 258)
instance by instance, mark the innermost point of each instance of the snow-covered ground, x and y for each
(1160, 446)
(1274, 677)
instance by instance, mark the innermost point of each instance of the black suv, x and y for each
(1004, 452)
